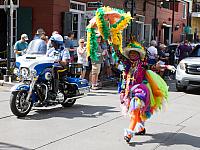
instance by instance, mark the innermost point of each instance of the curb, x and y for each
(7, 84)
(109, 83)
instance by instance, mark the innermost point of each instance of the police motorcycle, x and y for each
(34, 69)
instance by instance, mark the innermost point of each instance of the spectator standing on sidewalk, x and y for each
(106, 69)
(39, 33)
(21, 45)
(152, 53)
(82, 56)
(163, 58)
(69, 44)
(96, 65)
(184, 50)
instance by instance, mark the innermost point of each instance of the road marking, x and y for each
(3, 101)
(7, 116)
(78, 132)
(168, 138)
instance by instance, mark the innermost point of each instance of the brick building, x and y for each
(73, 15)
(146, 9)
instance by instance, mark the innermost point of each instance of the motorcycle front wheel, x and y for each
(18, 104)
(69, 103)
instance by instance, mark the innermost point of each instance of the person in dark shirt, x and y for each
(184, 50)
(163, 58)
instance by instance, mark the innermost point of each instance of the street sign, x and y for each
(94, 4)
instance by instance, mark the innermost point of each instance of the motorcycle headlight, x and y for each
(182, 66)
(33, 72)
(16, 71)
(24, 72)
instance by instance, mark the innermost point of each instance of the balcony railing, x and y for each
(15, 2)
(196, 7)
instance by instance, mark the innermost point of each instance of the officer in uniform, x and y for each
(61, 58)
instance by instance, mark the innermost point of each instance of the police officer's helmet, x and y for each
(57, 38)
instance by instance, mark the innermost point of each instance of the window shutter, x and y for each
(66, 22)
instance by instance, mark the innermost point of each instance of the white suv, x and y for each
(188, 71)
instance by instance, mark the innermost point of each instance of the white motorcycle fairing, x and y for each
(36, 62)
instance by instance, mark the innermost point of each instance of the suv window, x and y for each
(195, 52)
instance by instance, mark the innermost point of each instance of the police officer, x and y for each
(61, 58)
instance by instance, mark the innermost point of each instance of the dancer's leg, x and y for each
(134, 119)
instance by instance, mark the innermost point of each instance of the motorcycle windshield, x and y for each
(37, 46)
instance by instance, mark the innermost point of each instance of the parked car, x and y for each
(188, 71)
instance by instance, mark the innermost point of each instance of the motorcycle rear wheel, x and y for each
(18, 104)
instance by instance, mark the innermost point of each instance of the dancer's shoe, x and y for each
(143, 132)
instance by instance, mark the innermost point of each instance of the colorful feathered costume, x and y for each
(143, 91)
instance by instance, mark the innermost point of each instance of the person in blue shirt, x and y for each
(21, 45)
(61, 58)
(69, 44)
(39, 33)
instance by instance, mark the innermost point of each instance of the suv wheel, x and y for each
(181, 88)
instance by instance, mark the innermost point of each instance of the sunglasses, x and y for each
(81, 42)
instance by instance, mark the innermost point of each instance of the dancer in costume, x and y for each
(140, 95)
(143, 91)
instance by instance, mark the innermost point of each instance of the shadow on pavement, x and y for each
(94, 94)
(193, 90)
(6, 146)
(169, 139)
(172, 85)
(83, 111)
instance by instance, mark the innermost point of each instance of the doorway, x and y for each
(167, 35)
(3, 33)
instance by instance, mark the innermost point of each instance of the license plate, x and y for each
(84, 90)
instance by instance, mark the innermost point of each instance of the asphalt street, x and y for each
(95, 123)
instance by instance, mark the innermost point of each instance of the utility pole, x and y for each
(8, 7)
(173, 11)
(132, 14)
(155, 21)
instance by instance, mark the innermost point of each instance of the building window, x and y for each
(196, 7)
(78, 10)
(81, 7)
(184, 10)
(73, 6)
(75, 25)
(165, 5)
(77, 6)
(169, 5)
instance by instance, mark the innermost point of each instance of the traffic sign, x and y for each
(94, 4)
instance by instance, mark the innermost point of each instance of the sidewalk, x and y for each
(7, 84)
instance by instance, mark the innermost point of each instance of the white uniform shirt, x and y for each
(58, 55)
(152, 52)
